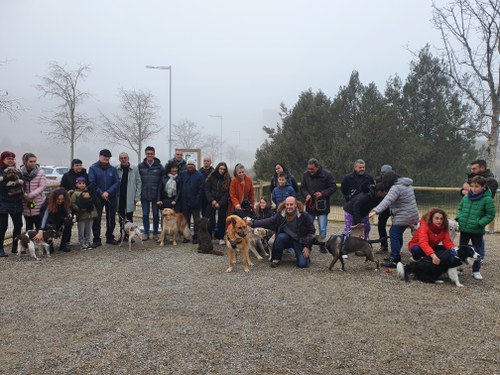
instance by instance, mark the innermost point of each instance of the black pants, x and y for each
(382, 226)
(218, 226)
(110, 205)
(195, 214)
(17, 221)
(32, 222)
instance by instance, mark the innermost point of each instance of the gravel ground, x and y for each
(174, 311)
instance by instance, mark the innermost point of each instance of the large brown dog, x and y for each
(174, 225)
(236, 241)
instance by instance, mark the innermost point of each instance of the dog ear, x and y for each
(230, 220)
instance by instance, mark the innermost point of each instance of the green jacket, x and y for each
(473, 216)
(82, 214)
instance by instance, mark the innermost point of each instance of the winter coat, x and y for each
(81, 212)
(214, 190)
(9, 204)
(182, 165)
(34, 191)
(428, 240)
(280, 193)
(190, 190)
(105, 179)
(402, 202)
(68, 179)
(321, 181)
(134, 186)
(278, 221)
(474, 215)
(165, 197)
(239, 192)
(151, 177)
(290, 180)
(361, 204)
(354, 183)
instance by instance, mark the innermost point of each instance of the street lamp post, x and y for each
(169, 68)
(220, 118)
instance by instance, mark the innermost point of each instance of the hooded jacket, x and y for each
(474, 215)
(402, 202)
(34, 191)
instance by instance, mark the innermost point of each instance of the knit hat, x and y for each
(80, 179)
(76, 161)
(385, 168)
(190, 161)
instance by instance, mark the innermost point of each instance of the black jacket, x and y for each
(321, 181)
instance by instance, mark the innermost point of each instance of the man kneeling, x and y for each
(293, 227)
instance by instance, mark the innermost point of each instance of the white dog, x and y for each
(131, 230)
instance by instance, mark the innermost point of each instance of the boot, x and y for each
(2, 253)
(14, 247)
(216, 252)
(51, 249)
(64, 247)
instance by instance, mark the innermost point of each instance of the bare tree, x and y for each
(187, 134)
(8, 105)
(66, 123)
(470, 30)
(136, 122)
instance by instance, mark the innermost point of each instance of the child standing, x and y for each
(283, 190)
(476, 210)
(83, 204)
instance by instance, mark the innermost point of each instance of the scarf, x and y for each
(171, 185)
(28, 175)
(435, 229)
(475, 197)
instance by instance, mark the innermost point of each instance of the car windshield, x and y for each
(62, 170)
(48, 170)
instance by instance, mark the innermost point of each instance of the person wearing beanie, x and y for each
(69, 178)
(83, 204)
(10, 204)
(105, 178)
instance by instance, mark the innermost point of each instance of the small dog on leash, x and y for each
(257, 242)
(130, 230)
(342, 244)
(25, 242)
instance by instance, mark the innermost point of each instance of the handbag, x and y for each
(320, 205)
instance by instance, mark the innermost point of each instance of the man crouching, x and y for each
(293, 228)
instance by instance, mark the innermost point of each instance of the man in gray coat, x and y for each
(130, 188)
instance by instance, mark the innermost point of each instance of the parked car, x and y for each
(54, 173)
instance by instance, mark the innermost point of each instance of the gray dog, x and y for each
(341, 244)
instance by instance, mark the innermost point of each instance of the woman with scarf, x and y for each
(11, 200)
(217, 194)
(169, 189)
(34, 186)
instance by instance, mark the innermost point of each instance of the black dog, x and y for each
(337, 245)
(205, 245)
(426, 271)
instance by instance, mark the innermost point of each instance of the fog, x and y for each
(234, 59)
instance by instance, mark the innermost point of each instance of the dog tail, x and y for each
(402, 275)
(377, 241)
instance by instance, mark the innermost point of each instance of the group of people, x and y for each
(213, 193)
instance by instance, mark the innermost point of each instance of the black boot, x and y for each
(64, 247)
(51, 249)
(14, 247)
(2, 253)
(195, 239)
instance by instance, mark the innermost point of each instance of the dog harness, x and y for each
(234, 244)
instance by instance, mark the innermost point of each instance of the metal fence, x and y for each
(445, 198)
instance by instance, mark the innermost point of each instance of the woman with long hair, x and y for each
(241, 194)
(217, 194)
(278, 169)
(34, 186)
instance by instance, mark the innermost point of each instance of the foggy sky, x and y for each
(237, 59)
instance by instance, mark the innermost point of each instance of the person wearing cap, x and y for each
(189, 195)
(151, 171)
(10, 204)
(69, 178)
(383, 217)
(105, 178)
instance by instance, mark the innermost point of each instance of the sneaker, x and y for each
(477, 275)
(345, 256)
(382, 250)
(112, 241)
(323, 249)
(2, 253)
(145, 237)
(96, 243)
(155, 237)
(222, 242)
(275, 263)
(391, 263)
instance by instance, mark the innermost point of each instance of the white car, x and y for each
(54, 173)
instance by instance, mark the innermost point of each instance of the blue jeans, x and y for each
(396, 237)
(145, 216)
(284, 241)
(322, 223)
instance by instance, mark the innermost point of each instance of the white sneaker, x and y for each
(222, 242)
(345, 256)
(477, 275)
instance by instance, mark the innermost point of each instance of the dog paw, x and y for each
(460, 285)
(229, 269)
(247, 270)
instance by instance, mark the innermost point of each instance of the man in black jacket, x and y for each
(317, 187)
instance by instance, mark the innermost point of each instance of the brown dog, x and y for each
(236, 241)
(174, 224)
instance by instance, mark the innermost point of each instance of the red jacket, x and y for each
(427, 239)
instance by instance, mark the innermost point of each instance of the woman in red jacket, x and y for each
(432, 231)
